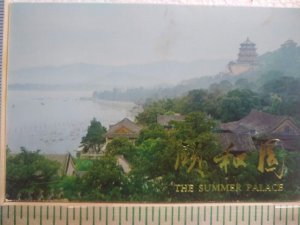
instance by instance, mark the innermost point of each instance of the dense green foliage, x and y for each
(29, 175)
(279, 95)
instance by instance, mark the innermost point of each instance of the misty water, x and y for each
(55, 122)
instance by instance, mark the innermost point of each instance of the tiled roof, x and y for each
(264, 126)
(132, 129)
(241, 142)
(259, 122)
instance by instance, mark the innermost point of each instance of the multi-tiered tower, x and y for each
(247, 59)
(247, 54)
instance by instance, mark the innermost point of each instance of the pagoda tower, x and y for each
(247, 54)
(247, 59)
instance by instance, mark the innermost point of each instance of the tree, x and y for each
(94, 138)
(152, 109)
(282, 94)
(153, 131)
(103, 181)
(194, 101)
(29, 174)
(121, 146)
(237, 104)
(223, 87)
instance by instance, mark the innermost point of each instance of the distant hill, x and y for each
(102, 77)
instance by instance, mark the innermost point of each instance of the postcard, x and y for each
(152, 103)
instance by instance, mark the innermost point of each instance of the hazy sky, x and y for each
(107, 34)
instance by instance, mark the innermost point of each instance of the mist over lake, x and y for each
(55, 121)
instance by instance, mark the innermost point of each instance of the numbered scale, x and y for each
(149, 214)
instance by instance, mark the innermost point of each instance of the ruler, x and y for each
(149, 214)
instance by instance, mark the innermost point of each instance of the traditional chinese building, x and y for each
(263, 126)
(240, 142)
(123, 129)
(247, 59)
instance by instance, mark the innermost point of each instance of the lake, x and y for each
(55, 121)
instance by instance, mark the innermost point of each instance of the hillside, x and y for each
(104, 77)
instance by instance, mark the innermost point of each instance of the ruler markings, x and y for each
(243, 211)
(113, 214)
(80, 216)
(146, 215)
(210, 215)
(198, 215)
(255, 212)
(158, 215)
(236, 215)
(87, 213)
(34, 212)
(73, 213)
(261, 215)
(67, 216)
(100, 213)
(280, 212)
(106, 215)
(172, 216)
(274, 211)
(53, 215)
(286, 216)
(249, 215)
(152, 214)
(140, 216)
(47, 212)
(15, 215)
(185, 215)
(133, 215)
(224, 214)
(60, 212)
(120, 213)
(166, 214)
(41, 215)
(93, 215)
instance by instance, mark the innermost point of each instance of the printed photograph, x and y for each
(152, 103)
